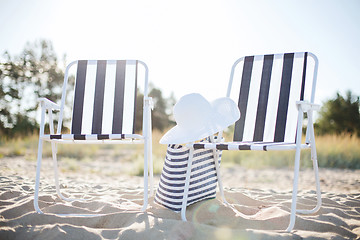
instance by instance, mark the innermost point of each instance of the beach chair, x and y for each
(103, 112)
(273, 93)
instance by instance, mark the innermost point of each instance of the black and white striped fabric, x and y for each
(91, 136)
(203, 178)
(249, 146)
(269, 87)
(104, 104)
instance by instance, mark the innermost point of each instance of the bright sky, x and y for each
(190, 45)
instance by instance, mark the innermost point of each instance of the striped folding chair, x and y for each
(273, 93)
(103, 112)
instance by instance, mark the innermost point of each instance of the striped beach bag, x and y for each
(203, 178)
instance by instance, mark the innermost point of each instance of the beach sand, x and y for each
(260, 205)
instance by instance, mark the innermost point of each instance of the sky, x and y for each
(190, 45)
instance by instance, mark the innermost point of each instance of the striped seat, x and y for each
(103, 111)
(273, 92)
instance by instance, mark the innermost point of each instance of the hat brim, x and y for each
(225, 113)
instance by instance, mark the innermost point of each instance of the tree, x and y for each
(160, 115)
(23, 79)
(35, 73)
(340, 115)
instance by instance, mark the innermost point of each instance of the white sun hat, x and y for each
(196, 118)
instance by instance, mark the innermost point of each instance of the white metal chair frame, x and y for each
(302, 107)
(146, 138)
(188, 174)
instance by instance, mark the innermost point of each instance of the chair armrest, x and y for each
(148, 101)
(48, 104)
(307, 106)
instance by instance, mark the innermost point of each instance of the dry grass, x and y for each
(333, 151)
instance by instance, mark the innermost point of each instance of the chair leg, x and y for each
(147, 157)
(37, 183)
(151, 163)
(216, 160)
(311, 134)
(56, 175)
(151, 169)
(317, 181)
(296, 173)
(146, 174)
(187, 183)
(295, 190)
(217, 167)
(37, 178)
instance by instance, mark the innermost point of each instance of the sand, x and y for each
(260, 205)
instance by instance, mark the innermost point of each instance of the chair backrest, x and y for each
(267, 91)
(105, 95)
